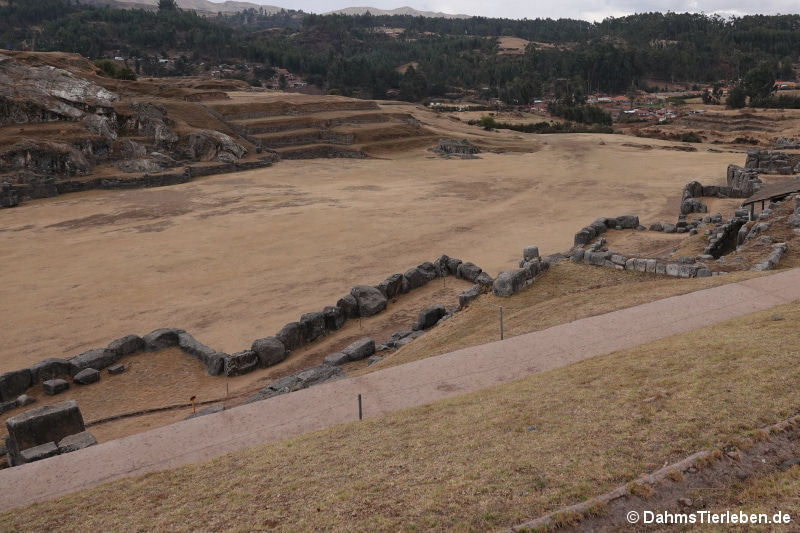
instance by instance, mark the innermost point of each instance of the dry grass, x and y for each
(565, 293)
(767, 494)
(476, 462)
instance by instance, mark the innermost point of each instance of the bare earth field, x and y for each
(232, 258)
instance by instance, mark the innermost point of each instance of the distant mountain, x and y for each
(205, 5)
(230, 6)
(399, 11)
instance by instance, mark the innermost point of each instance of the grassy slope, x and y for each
(480, 461)
(565, 293)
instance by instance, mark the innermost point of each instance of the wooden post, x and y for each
(360, 412)
(501, 322)
(753, 211)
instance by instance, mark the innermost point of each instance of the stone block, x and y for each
(48, 423)
(50, 369)
(37, 453)
(360, 349)
(270, 351)
(240, 363)
(86, 376)
(78, 441)
(54, 386)
(127, 345)
(14, 383)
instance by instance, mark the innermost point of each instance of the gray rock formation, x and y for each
(360, 349)
(209, 145)
(391, 286)
(291, 335)
(312, 326)
(52, 387)
(468, 271)
(50, 369)
(429, 316)
(162, 338)
(99, 358)
(370, 300)
(415, 278)
(78, 441)
(211, 359)
(14, 383)
(86, 376)
(270, 351)
(127, 345)
(334, 317)
(240, 363)
(468, 295)
(298, 381)
(42, 425)
(509, 282)
(349, 306)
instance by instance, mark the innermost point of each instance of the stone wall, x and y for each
(770, 162)
(587, 233)
(744, 180)
(360, 301)
(599, 255)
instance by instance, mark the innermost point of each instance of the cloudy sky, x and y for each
(582, 9)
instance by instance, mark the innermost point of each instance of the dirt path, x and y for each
(392, 389)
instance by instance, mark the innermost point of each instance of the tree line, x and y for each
(440, 57)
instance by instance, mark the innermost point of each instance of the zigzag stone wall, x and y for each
(361, 301)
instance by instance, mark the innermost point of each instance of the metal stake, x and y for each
(360, 412)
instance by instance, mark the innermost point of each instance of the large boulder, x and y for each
(468, 295)
(212, 359)
(51, 387)
(162, 338)
(14, 383)
(415, 278)
(453, 264)
(300, 380)
(429, 316)
(370, 300)
(334, 317)
(584, 236)
(127, 345)
(428, 270)
(468, 271)
(78, 441)
(391, 286)
(240, 363)
(693, 205)
(484, 279)
(529, 253)
(313, 326)
(336, 359)
(509, 282)
(210, 145)
(349, 306)
(270, 351)
(291, 335)
(360, 349)
(99, 358)
(37, 453)
(50, 369)
(86, 376)
(48, 423)
(628, 221)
